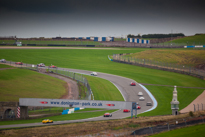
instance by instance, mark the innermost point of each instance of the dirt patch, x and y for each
(199, 100)
(71, 86)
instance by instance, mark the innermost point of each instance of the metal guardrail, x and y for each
(188, 70)
(60, 71)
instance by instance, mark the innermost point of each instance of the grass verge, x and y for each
(191, 131)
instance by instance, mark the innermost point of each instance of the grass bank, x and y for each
(21, 83)
(103, 89)
(197, 131)
(182, 57)
(190, 40)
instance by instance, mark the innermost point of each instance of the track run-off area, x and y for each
(129, 93)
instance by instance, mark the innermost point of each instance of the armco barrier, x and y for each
(90, 45)
(55, 45)
(31, 44)
(195, 46)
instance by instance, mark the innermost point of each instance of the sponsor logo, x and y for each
(44, 102)
(110, 105)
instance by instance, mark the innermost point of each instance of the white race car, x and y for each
(3, 60)
(140, 94)
(94, 74)
(41, 65)
(141, 98)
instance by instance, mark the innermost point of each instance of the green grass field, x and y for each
(5, 66)
(96, 60)
(190, 40)
(19, 83)
(52, 42)
(192, 131)
(103, 89)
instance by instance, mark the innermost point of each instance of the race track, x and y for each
(123, 84)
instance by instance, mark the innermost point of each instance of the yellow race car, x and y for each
(47, 121)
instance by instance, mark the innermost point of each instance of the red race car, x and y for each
(132, 84)
(107, 115)
(19, 63)
(126, 110)
(52, 66)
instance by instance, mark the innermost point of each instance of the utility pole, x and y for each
(171, 37)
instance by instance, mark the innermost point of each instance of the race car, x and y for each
(149, 104)
(47, 121)
(94, 74)
(126, 110)
(141, 98)
(3, 60)
(52, 66)
(140, 94)
(132, 84)
(19, 63)
(41, 65)
(107, 115)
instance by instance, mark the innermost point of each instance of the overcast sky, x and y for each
(76, 18)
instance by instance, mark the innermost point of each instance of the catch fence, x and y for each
(188, 70)
(57, 70)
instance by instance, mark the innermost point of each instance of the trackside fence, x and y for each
(187, 70)
(199, 107)
(60, 71)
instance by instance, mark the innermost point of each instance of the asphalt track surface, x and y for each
(130, 93)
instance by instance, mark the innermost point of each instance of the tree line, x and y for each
(156, 35)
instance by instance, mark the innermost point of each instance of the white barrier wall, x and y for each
(75, 103)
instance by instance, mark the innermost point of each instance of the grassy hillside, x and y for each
(103, 89)
(20, 83)
(196, 130)
(190, 40)
(181, 56)
(96, 60)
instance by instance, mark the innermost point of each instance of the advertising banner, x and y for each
(75, 103)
